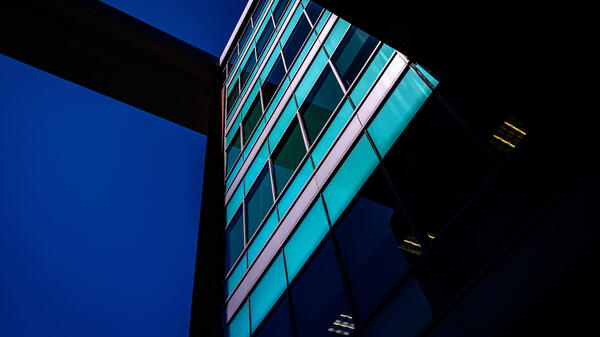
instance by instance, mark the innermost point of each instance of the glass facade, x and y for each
(314, 219)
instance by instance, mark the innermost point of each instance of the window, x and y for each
(251, 119)
(245, 36)
(258, 10)
(258, 202)
(261, 43)
(233, 151)
(352, 54)
(272, 82)
(279, 324)
(296, 40)
(313, 10)
(233, 95)
(247, 68)
(320, 103)
(286, 158)
(278, 11)
(233, 57)
(234, 240)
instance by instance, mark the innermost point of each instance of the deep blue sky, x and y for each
(206, 24)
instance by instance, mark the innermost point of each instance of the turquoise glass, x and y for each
(250, 99)
(371, 73)
(397, 111)
(294, 187)
(267, 292)
(427, 75)
(331, 132)
(236, 276)
(257, 164)
(349, 178)
(322, 21)
(234, 128)
(265, 72)
(283, 122)
(310, 77)
(277, 97)
(305, 239)
(240, 323)
(234, 202)
(262, 236)
(336, 34)
(234, 172)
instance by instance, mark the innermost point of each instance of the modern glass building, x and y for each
(314, 219)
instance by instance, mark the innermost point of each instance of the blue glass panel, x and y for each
(370, 74)
(251, 120)
(233, 173)
(234, 202)
(232, 96)
(352, 54)
(233, 151)
(234, 240)
(271, 83)
(257, 164)
(302, 56)
(332, 131)
(287, 156)
(279, 323)
(236, 276)
(320, 299)
(311, 76)
(336, 34)
(405, 314)
(240, 323)
(277, 97)
(265, 294)
(250, 143)
(258, 11)
(349, 178)
(274, 57)
(250, 100)
(284, 120)
(245, 74)
(398, 110)
(258, 202)
(313, 10)
(291, 25)
(293, 45)
(261, 43)
(261, 237)
(322, 21)
(295, 186)
(305, 239)
(278, 10)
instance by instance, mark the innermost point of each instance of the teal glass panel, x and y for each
(257, 164)
(320, 103)
(234, 240)
(267, 292)
(233, 151)
(234, 202)
(234, 172)
(232, 96)
(255, 135)
(295, 186)
(302, 55)
(349, 178)
(313, 10)
(234, 128)
(427, 75)
(370, 74)
(283, 122)
(352, 54)
(397, 111)
(287, 156)
(251, 120)
(270, 63)
(305, 239)
(291, 25)
(278, 7)
(311, 76)
(332, 131)
(262, 236)
(277, 97)
(258, 201)
(272, 82)
(250, 100)
(236, 276)
(240, 323)
(336, 34)
(322, 21)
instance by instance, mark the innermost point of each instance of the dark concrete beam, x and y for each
(105, 50)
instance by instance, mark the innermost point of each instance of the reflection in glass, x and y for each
(296, 40)
(314, 11)
(233, 151)
(272, 82)
(258, 202)
(233, 95)
(352, 54)
(234, 240)
(278, 11)
(251, 119)
(247, 68)
(287, 157)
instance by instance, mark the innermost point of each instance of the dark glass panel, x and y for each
(233, 95)
(234, 240)
(264, 38)
(259, 9)
(314, 11)
(352, 54)
(320, 301)
(245, 36)
(296, 40)
(272, 82)
(286, 158)
(247, 68)
(320, 103)
(279, 323)
(372, 256)
(233, 57)
(258, 201)
(233, 151)
(251, 119)
(279, 9)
